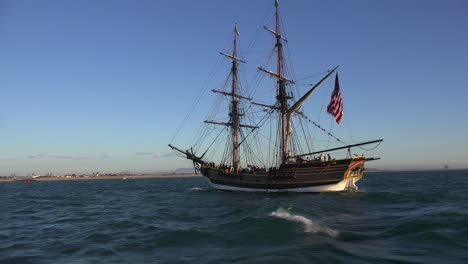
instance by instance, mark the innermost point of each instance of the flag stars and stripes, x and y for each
(335, 107)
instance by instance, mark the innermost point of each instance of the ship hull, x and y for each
(344, 185)
(309, 177)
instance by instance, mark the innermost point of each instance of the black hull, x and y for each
(289, 176)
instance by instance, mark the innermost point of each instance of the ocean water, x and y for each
(395, 217)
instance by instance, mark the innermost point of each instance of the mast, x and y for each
(282, 96)
(234, 113)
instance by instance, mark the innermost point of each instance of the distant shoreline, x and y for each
(159, 175)
(412, 170)
(101, 177)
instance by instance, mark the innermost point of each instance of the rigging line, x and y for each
(370, 149)
(202, 133)
(305, 135)
(273, 142)
(289, 66)
(261, 136)
(229, 43)
(300, 146)
(215, 108)
(324, 140)
(278, 140)
(282, 27)
(215, 149)
(271, 55)
(218, 107)
(321, 128)
(203, 90)
(329, 134)
(257, 157)
(249, 156)
(309, 137)
(292, 143)
(349, 128)
(270, 139)
(258, 125)
(241, 78)
(200, 143)
(258, 147)
(314, 75)
(260, 27)
(214, 141)
(304, 84)
(318, 121)
(254, 84)
(254, 155)
(225, 158)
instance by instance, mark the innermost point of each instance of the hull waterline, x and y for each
(306, 177)
(344, 185)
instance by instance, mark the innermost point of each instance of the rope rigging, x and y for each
(321, 128)
(238, 146)
(370, 149)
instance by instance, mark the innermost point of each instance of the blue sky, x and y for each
(103, 85)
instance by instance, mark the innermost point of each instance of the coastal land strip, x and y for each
(99, 177)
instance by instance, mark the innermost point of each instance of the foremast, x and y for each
(234, 113)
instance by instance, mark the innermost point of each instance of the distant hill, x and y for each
(184, 170)
(373, 170)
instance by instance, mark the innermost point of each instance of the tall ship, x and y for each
(268, 146)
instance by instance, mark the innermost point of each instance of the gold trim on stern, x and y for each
(356, 168)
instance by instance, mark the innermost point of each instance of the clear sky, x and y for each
(103, 85)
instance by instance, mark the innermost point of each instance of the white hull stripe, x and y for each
(336, 187)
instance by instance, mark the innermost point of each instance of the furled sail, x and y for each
(298, 105)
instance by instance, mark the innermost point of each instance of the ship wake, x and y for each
(310, 225)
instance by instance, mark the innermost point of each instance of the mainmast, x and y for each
(234, 113)
(282, 96)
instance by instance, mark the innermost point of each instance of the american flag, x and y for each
(336, 102)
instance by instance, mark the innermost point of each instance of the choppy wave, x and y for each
(399, 218)
(310, 225)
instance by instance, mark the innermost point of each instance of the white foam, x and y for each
(196, 189)
(310, 226)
